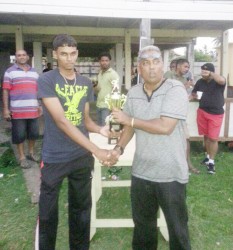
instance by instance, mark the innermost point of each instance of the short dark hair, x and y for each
(63, 40)
(181, 61)
(107, 54)
(173, 62)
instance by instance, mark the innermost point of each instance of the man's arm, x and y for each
(219, 79)
(92, 126)
(5, 99)
(162, 126)
(56, 111)
(126, 136)
(124, 139)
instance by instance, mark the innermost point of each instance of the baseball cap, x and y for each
(208, 66)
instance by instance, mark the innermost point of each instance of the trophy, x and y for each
(114, 100)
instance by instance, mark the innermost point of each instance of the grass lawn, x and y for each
(209, 199)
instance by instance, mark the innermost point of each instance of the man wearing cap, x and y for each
(210, 112)
(155, 112)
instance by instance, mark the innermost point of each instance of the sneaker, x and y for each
(211, 168)
(205, 161)
(24, 164)
(33, 158)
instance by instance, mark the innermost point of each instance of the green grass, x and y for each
(209, 199)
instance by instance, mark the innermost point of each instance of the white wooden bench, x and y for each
(98, 184)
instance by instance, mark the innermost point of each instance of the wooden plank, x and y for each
(108, 223)
(124, 183)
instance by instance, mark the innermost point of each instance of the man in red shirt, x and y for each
(20, 91)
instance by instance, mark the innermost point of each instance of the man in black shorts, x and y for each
(20, 90)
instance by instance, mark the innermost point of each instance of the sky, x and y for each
(202, 41)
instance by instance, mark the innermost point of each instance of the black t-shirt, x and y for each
(58, 147)
(212, 100)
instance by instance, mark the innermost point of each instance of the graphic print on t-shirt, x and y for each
(72, 95)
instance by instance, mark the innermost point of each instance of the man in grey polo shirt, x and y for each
(155, 112)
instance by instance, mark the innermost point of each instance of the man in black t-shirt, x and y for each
(210, 113)
(67, 150)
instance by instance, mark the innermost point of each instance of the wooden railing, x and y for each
(226, 133)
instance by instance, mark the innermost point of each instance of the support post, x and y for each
(19, 44)
(190, 54)
(119, 62)
(128, 60)
(37, 55)
(224, 58)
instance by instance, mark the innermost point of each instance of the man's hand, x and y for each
(189, 84)
(105, 131)
(6, 114)
(104, 157)
(40, 111)
(193, 96)
(114, 157)
(107, 157)
(120, 117)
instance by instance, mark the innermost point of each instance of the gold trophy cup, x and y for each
(114, 100)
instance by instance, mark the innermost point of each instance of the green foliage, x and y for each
(8, 158)
(209, 200)
(202, 56)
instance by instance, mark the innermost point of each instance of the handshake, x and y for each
(109, 157)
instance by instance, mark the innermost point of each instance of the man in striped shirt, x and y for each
(20, 105)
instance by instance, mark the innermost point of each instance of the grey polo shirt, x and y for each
(160, 158)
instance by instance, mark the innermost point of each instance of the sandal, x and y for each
(33, 158)
(24, 164)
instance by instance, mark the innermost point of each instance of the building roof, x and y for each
(173, 23)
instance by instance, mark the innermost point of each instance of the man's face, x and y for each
(173, 66)
(104, 63)
(151, 69)
(182, 68)
(21, 57)
(66, 57)
(205, 74)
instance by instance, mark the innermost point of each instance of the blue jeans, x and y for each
(102, 113)
(146, 197)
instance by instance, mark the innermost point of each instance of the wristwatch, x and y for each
(118, 147)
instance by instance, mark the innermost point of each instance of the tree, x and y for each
(202, 56)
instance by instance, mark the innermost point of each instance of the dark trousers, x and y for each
(146, 197)
(79, 175)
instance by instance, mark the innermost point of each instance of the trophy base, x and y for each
(112, 141)
(115, 126)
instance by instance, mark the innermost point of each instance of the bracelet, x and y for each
(120, 148)
(132, 122)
